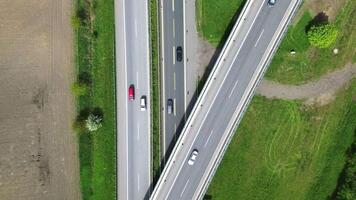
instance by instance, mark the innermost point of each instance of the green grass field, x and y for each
(284, 150)
(309, 62)
(95, 56)
(214, 17)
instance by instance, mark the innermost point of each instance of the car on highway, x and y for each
(179, 53)
(143, 104)
(271, 3)
(193, 157)
(170, 106)
(132, 92)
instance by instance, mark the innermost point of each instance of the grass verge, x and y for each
(310, 62)
(284, 150)
(95, 58)
(216, 18)
(155, 81)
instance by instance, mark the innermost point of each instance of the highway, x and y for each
(133, 125)
(224, 99)
(172, 71)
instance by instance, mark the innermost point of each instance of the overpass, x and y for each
(224, 98)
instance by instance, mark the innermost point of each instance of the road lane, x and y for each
(132, 56)
(216, 110)
(173, 72)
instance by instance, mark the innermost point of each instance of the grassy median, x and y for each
(95, 60)
(155, 87)
(285, 150)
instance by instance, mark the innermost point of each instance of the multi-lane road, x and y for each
(133, 125)
(224, 99)
(173, 74)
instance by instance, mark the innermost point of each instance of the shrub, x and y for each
(80, 89)
(322, 35)
(94, 122)
(75, 21)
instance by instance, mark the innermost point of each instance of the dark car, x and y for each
(170, 106)
(179, 53)
(271, 3)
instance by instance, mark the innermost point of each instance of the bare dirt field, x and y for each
(38, 149)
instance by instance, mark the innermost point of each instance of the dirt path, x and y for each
(38, 149)
(321, 90)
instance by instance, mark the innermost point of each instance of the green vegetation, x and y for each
(80, 89)
(346, 189)
(322, 35)
(155, 86)
(285, 150)
(95, 65)
(310, 62)
(216, 18)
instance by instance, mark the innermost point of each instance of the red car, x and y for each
(132, 92)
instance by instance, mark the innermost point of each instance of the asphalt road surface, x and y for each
(173, 72)
(133, 125)
(231, 83)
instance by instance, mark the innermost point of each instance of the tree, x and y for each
(94, 122)
(80, 88)
(322, 35)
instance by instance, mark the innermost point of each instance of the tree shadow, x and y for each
(97, 111)
(319, 19)
(85, 78)
(351, 151)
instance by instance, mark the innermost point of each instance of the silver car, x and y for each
(271, 3)
(193, 157)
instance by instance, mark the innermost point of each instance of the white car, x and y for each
(193, 157)
(143, 104)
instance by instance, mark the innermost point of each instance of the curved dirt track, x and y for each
(326, 85)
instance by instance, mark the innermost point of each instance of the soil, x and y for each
(318, 92)
(39, 154)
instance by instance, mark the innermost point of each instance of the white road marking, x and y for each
(138, 131)
(138, 182)
(174, 55)
(174, 80)
(207, 141)
(137, 80)
(174, 107)
(185, 187)
(233, 88)
(259, 37)
(174, 28)
(173, 5)
(135, 28)
(175, 127)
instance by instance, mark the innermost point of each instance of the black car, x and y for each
(179, 53)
